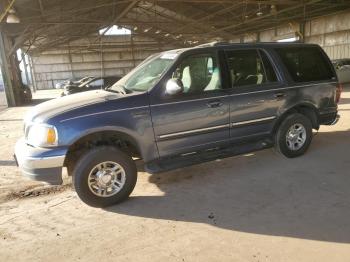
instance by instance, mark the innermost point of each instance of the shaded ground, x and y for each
(257, 207)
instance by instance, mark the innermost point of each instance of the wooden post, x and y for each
(25, 68)
(6, 75)
(32, 72)
(132, 49)
(70, 61)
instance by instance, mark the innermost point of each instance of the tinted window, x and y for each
(246, 67)
(198, 73)
(305, 64)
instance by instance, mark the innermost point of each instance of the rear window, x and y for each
(306, 64)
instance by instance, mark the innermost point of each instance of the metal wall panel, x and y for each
(332, 33)
(114, 55)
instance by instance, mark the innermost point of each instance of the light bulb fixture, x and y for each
(158, 31)
(147, 29)
(135, 28)
(167, 34)
(259, 13)
(273, 10)
(12, 17)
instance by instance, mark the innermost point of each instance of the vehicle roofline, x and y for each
(219, 45)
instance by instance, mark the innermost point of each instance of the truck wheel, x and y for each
(104, 176)
(294, 135)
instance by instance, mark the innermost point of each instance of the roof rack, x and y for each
(215, 43)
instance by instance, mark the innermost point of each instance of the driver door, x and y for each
(198, 117)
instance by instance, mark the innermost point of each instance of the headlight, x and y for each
(41, 135)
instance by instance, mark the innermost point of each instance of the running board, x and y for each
(193, 158)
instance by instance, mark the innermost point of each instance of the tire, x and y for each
(88, 176)
(300, 129)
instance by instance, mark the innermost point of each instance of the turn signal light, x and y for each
(51, 136)
(338, 92)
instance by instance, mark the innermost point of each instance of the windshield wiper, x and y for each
(119, 89)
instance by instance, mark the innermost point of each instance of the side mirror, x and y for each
(174, 86)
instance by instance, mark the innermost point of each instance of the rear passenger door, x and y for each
(255, 93)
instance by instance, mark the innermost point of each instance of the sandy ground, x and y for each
(257, 207)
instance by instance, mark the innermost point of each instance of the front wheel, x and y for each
(294, 135)
(104, 176)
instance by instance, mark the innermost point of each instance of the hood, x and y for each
(46, 110)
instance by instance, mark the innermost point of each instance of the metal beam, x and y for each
(198, 21)
(233, 26)
(41, 7)
(9, 6)
(121, 15)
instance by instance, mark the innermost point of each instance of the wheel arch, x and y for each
(305, 108)
(101, 137)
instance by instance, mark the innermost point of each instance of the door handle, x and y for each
(138, 114)
(279, 95)
(214, 104)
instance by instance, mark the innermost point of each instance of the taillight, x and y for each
(338, 92)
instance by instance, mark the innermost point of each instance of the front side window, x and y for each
(249, 67)
(198, 73)
(305, 63)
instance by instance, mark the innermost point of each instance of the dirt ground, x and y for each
(256, 207)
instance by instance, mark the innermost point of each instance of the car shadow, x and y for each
(261, 193)
(7, 163)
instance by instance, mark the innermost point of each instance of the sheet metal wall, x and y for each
(113, 55)
(331, 32)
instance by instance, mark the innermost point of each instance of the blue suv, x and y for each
(179, 108)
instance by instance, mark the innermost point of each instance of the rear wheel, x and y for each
(104, 176)
(294, 135)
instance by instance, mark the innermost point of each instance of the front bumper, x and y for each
(41, 164)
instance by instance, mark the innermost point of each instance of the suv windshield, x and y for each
(145, 75)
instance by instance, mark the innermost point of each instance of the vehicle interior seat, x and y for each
(214, 81)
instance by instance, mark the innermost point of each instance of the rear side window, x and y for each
(306, 64)
(249, 67)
